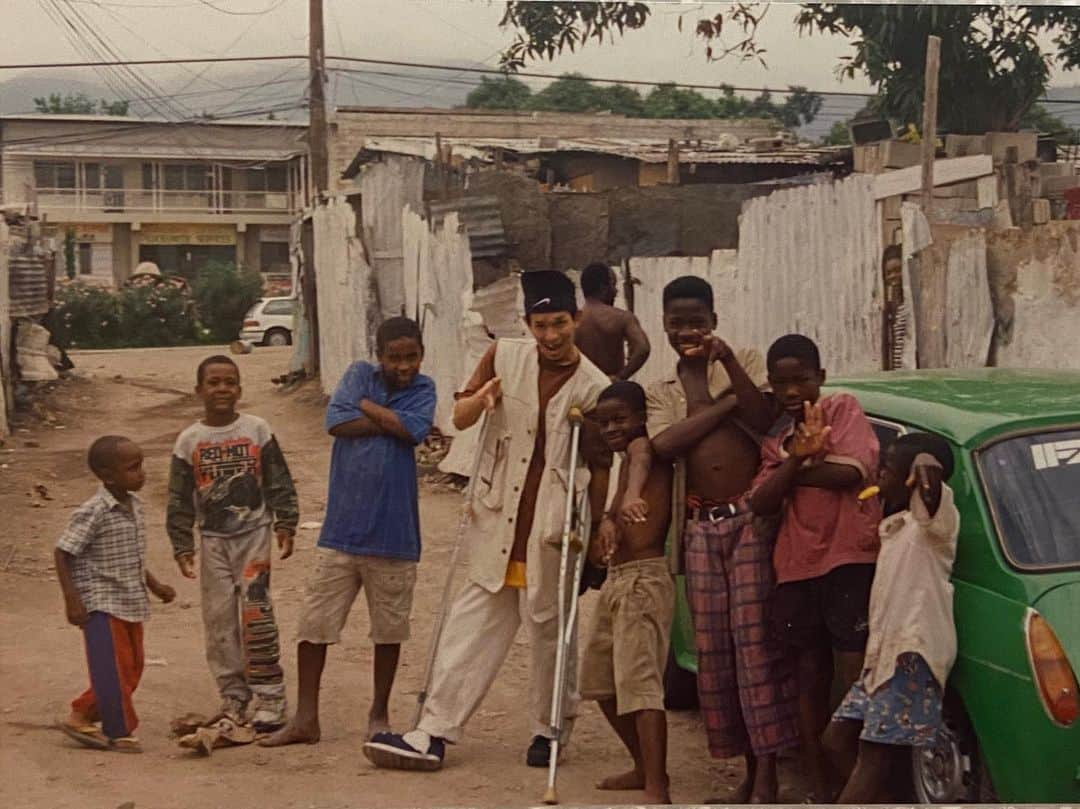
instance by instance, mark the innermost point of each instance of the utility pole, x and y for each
(319, 172)
(932, 287)
(317, 132)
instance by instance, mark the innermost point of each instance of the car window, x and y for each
(279, 307)
(1031, 482)
(886, 431)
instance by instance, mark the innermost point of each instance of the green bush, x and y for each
(223, 295)
(88, 316)
(159, 315)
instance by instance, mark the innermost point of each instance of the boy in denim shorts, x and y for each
(897, 703)
(371, 535)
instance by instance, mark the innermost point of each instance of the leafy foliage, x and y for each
(78, 104)
(575, 93)
(90, 316)
(548, 28)
(995, 60)
(993, 68)
(223, 295)
(1039, 119)
(838, 135)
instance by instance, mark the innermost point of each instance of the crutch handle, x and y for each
(575, 416)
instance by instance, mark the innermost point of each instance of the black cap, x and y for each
(548, 291)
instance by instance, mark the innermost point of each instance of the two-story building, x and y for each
(127, 191)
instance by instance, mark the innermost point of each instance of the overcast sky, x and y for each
(435, 31)
(430, 31)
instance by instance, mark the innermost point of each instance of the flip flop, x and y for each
(86, 735)
(125, 744)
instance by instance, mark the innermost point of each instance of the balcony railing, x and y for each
(161, 201)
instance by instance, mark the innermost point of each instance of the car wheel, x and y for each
(952, 769)
(277, 337)
(680, 686)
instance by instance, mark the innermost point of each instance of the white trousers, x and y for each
(477, 637)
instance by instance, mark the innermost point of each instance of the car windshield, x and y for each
(1032, 482)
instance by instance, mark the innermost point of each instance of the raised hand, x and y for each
(719, 350)
(811, 434)
(491, 393)
(926, 477)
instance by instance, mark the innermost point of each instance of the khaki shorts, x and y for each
(628, 644)
(338, 579)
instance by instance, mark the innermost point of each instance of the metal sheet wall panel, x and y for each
(809, 262)
(345, 293)
(28, 285)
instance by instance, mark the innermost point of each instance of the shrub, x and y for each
(88, 316)
(223, 295)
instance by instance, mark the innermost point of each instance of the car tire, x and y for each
(680, 686)
(952, 770)
(277, 337)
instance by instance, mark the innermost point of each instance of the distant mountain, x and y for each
(221, 93)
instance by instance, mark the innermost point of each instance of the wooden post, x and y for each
(317, 131)
(673, 162)
(929, 122)
(930, 293)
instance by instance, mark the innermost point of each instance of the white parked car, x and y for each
(269, 322)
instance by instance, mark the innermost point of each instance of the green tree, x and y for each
(622, 100)
(223, 295)
(502, 93)
(569, 93)
(78, 104)
(670, 101)
(995, 58)
(1042, 121)
(838, 135)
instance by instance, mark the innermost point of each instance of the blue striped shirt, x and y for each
(372, 508)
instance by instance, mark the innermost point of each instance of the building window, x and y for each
(268, 178)
(91, 176)
(48, 174)
(86, 261)
(185, 177)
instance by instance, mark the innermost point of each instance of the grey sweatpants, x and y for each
(242, 646)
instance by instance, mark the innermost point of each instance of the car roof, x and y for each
(969, 406)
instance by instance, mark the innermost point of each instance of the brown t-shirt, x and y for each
(551, 378)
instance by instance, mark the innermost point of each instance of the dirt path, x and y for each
(146, 394)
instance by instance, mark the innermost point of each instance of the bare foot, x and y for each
(295, 732)
(657, 798)
(623, 782)
(766, 786)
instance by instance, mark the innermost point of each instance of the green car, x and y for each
(1012, 731)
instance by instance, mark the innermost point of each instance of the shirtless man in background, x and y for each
(612, 338)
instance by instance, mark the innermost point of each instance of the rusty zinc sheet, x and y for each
(482, 219)
(28, 285)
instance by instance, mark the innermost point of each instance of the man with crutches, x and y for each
(529, 389)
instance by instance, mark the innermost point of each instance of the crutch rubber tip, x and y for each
(551, 797)
(574, 415)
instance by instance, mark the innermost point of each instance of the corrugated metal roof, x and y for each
(28, 284)
(482, 218)
(726, 150)
(154, 152)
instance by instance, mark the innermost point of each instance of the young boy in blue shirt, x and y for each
(371, 535)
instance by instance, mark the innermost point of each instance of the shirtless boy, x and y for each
(704, 416)
(623, 668)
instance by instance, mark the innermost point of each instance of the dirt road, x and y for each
(146, 394)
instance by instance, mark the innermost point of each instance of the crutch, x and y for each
(575, 538)
(463, 526)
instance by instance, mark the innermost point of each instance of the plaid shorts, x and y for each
(905, 710)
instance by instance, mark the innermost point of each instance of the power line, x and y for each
(267, 10)
(458, 69)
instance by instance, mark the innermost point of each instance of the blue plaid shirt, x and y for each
(372, 508)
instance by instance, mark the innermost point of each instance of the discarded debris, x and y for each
(223, 732)
(41, 491)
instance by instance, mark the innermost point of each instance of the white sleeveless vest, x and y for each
(507, 449)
